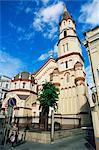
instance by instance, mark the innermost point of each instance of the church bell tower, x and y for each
(72, 98)
(69, 43)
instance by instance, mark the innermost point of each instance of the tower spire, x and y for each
(66, 15)
(65, 9)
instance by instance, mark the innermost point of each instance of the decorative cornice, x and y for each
(23, 90)
(44, 65)
(67, 30)
(26, 80)
(68, 36)
(24, 108)
(73, 53)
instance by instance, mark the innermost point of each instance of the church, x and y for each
(66, 72)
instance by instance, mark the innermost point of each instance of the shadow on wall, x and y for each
(85, 115)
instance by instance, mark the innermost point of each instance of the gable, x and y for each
(51, 63)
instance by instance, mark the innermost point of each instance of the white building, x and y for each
(5, 83)
(91, 43)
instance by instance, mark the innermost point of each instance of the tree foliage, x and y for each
(48, 96)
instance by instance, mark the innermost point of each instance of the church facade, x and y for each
(66, 72)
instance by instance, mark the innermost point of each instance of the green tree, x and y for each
(47, 97)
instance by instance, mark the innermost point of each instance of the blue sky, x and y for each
(29, 31)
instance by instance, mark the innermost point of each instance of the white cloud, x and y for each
(23, 34)
(47, 18)
(43, 57)
(9, 65)
(20, 29)
(45, 1)
(17, 28)
(90, 13)
(53, 52)
(28, 10)
(52, 13)
(89, 76)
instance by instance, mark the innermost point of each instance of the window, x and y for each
(62, 65)
(24, 85)
(64, 33)
(67, 78)
(37, 88)
(98, 73)
(67, 46)
(6, 85)
(66, 63)
(51, 77)
(64, 22)
(69, 22)
(15, 85)
(70, 63)
(1, 84)
(62, 82)
(63, 48)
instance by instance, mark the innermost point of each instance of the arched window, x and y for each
(7, 86)
(62, 82)
(67, 78)
(24, 85)
(65, 34)
(67, 46)
(14, 85)
(66, 63)
(70, 63)
(98, 73)
(62, 65)
(63, 48)
(51, 77)
(37, 88)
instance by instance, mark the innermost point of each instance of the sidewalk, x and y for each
(71, 143)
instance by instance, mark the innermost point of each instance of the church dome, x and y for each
(25, 75)
(22, 76)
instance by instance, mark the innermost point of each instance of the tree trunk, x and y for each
(44, 117)
(46, 121)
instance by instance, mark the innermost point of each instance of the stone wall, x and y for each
(45, 137)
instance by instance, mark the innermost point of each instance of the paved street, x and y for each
(71, 143)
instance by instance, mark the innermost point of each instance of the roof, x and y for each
(65, 16)
(24, 75)
(23, 97)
